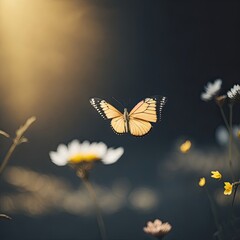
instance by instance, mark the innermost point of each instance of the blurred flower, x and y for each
(211, 90)
(202, 182)
(228, 188)
(144, 199)
(234, 93)
(76, 153)
(185, 147)
(157, 228)
(238, 133)
(216, 175)
(38, 194)
(222, 134)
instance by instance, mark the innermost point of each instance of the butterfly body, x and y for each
(137, 122)
(126, 120)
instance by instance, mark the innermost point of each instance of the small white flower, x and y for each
(234, 92)
(87, 152)
(157, 228)
(211, 90)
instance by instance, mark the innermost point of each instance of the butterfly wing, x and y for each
(107, 111)
(144, 113)
(139, 128)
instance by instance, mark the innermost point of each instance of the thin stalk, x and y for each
(215, 215)
(8, 155)
(100, 221)
(224, 118)
(16, 141)
(230, 141)
(233, 141)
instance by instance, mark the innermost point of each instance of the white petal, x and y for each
(205, 97)
(92, 148)
(58, 159)
(211, 90)
(74, 147)
(218, 83)
(84, 147)
(230, 95)
(101, 149)
(112, 155)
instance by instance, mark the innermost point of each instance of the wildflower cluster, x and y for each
(229, 134)
(233, 95)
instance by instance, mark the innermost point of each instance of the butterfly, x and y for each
(138, 122)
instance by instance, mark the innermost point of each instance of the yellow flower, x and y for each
(228, 188)
(238, 133)
(216, 175)
(202, 182)
(185, 147)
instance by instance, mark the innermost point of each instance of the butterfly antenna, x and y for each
(118, 102)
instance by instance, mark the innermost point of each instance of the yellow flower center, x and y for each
(75, 159)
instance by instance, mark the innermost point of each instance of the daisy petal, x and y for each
(112, 155)
(74, 147)
(58, 159)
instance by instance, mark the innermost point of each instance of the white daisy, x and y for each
(234, 92)
(75, 153)
(211, 90)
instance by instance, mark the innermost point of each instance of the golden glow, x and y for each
(78, 158)
(45, 46)
(185, 147)
(202, 182)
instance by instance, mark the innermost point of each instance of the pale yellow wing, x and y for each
(118, 125)
(145, 113)
(107, 111)
(149, 109)
(139, 127)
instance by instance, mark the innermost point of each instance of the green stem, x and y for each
(92, 193)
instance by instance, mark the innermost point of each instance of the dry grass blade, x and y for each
(17, 140)
(4, 134)
(24, 127)
(5, 217)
